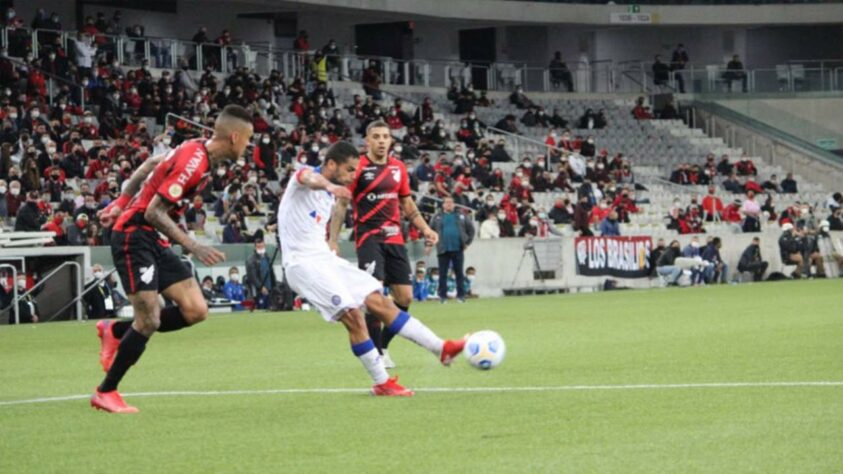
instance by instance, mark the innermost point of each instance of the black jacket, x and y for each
(789, 244)
(668, 257)
(29, 218)
(751, 254)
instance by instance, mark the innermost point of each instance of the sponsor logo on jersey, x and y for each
(374, 197)
(315, 216)
(147, 273)
(191, 166)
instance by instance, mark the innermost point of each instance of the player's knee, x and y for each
(355, 322)
(195, 312)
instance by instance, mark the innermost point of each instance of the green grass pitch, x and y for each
(637, 342)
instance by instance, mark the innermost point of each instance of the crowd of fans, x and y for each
(60, 164)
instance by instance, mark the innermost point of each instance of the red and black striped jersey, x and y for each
(376, 191)
(181, 175)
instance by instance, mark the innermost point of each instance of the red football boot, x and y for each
(111, 402)
(391, 388)
(108, 344)
(450, 350)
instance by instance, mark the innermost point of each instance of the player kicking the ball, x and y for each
(145, 262)
(334, 286)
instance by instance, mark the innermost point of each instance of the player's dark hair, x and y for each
(236, 111)
(340, 152)
(376, 124)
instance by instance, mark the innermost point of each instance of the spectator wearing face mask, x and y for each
(98, 299)
(4, 205)
(666, 266)
(745, 167)
(27, 307)
(231, 233)
(692, 251)
(77, 231)
(195, 215)
(712, 205)
(581, 217)
(519, 99)
(507, 124)
(29, 216)
(372, 81)
(421, 286)
(260, 276)
(489, 227)
(716, 270)
(233, 289)
(751, 211)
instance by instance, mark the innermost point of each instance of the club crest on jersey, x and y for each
(396, 174)
(175, 190)
(315, 216)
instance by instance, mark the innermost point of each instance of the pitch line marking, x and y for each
(560, 388)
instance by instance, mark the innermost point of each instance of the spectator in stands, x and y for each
(591, 120)
(668, 111)
(732, 184)
(666, 265)
(716, 269)
(85, 49)
(195, 216)
(232, 233)
(712, 205)
(661, 72)
(519, 99)
(77, 231)
(582, 213)
(692, 251)
(372, 81)
(641, 112)
(724, 167)
(489, 228)
(332, 53)
(507, 124)
(834, 202)
(27, 306)
(505, 224)
(677, 64)
(233, 289)
(795, 251)
(609, 226)
(771, 184)
(301, 43)
(29, 216)
(751, 211)
(735, 72)
(260, 276)
(560, 75)
(788, 185)
(4, 206)
(745, 167)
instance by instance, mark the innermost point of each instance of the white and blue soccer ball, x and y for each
(484, 349)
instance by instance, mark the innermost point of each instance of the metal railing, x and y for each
(50, 275)
(78, 299)
(51, 79)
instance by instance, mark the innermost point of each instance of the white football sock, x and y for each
(371, 360)
(417, 332)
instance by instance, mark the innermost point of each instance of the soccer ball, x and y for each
(484, 349)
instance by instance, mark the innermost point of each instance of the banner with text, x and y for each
(623, 257)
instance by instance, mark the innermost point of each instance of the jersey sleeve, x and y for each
(186, 166)
(404, 185)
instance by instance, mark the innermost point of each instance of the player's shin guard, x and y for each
(373, 324)
(411, 328)
(371, 360)
(172, 320)
(387, 335)
(131, 347)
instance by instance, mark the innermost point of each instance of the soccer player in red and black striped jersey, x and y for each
(380, 193)
(143, 258)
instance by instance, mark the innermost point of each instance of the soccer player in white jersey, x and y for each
(334, 286)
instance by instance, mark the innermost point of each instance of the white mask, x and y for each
(14, 191)
(260, 251)
(235, 277)
(501, 216)
(21, 283)
(220, 173)
(314, 148)
(265, 141)
(241, 162)
(98, 275)
(167, 141)
(2, 189)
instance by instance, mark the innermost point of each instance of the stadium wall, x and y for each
(495, 274)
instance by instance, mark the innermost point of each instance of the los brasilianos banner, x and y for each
(623, 257)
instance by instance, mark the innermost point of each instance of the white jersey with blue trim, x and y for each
(303, 217)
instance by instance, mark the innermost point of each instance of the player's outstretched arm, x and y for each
(158, 215)
(108, 215)
(337, 220)
(411, 212)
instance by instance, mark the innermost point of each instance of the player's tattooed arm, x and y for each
(134, 182)
(109, 214)
(158, 214)
(313, 180)
(411, 212)
(337, 220)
